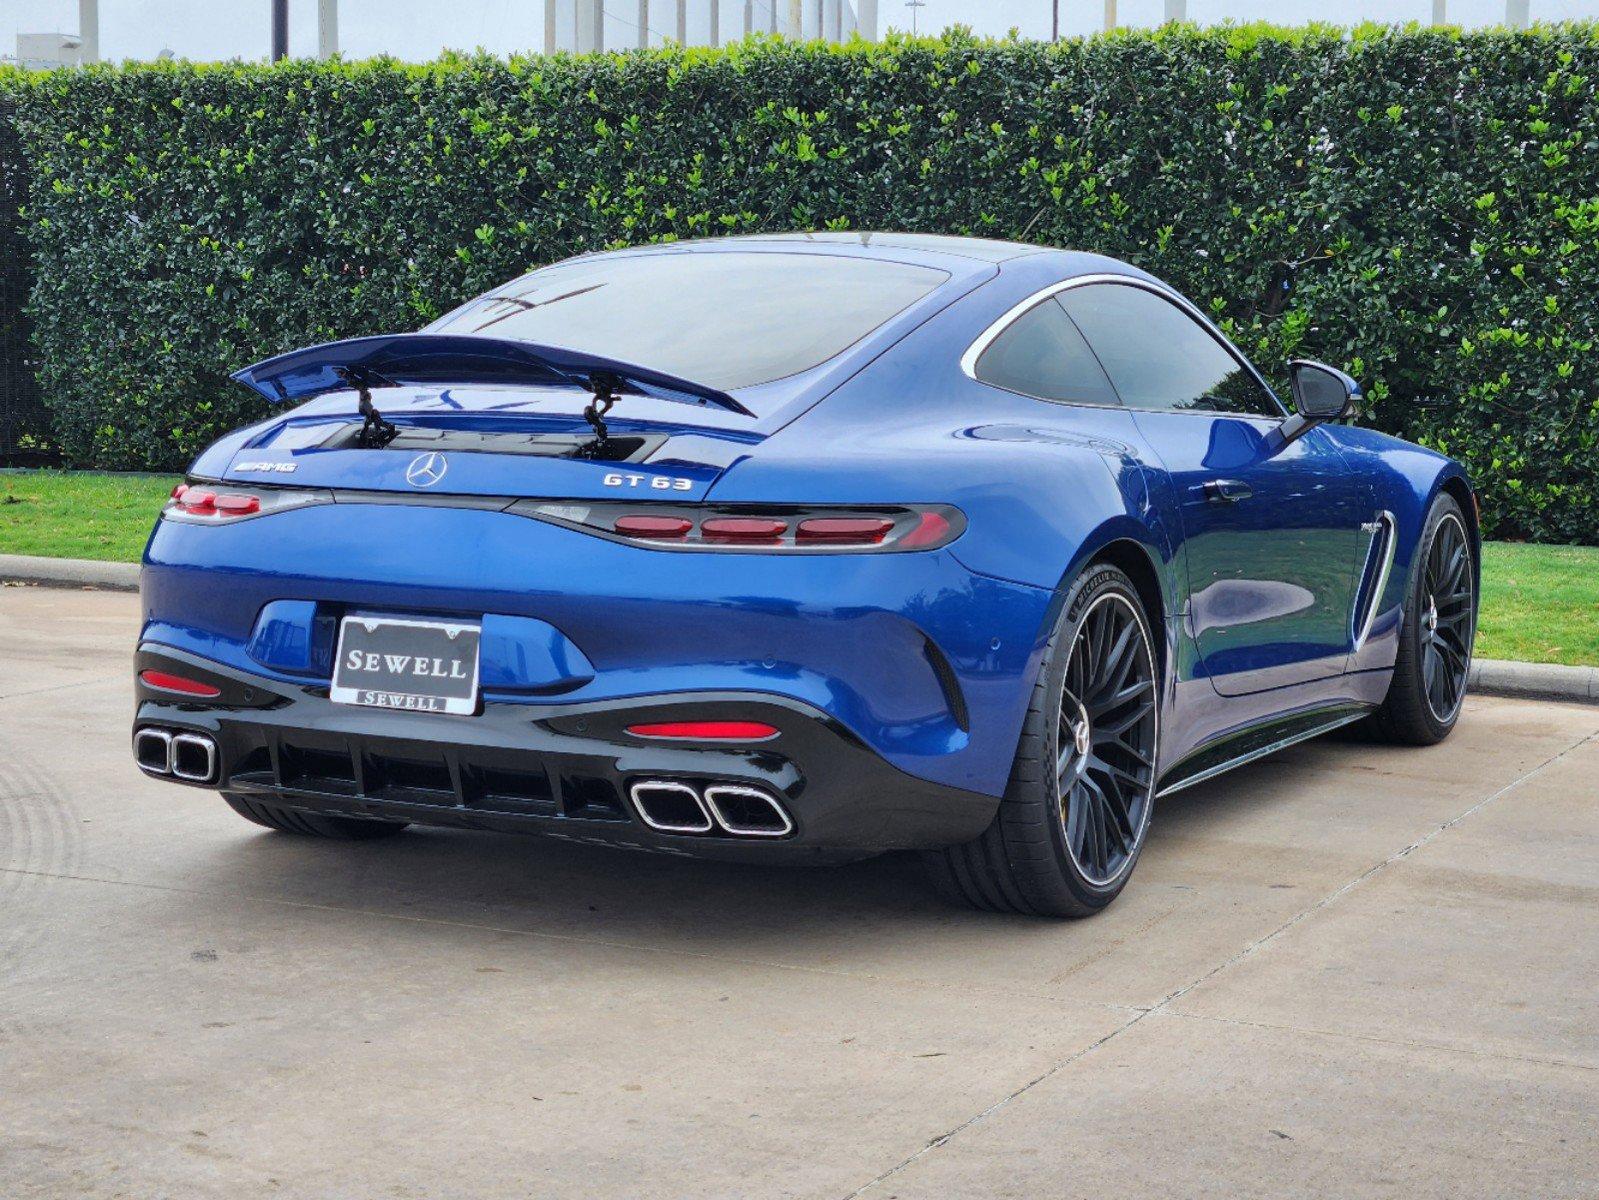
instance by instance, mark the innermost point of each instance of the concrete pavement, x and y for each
(1349, 970)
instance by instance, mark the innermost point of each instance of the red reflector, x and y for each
(858, 530)
(177, 492)
(177, 683)
(653, 527)
(742, 529)
(196, 501)
(707, 731)
(929, 532)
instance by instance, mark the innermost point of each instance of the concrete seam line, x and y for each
(1248, 950)
(1344, 1035)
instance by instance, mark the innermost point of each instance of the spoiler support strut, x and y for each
(375, 431)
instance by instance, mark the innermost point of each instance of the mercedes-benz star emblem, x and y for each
(426, 470)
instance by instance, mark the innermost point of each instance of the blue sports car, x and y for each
(797, 547)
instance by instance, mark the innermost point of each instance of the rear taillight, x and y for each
(217, 504)
(757, 528)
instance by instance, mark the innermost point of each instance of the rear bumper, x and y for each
(560, 770)
(926, 663)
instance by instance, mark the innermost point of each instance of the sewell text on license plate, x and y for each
(424, 666)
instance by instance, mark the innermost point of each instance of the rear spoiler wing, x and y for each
(443, 359)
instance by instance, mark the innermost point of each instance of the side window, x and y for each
(1042, 354)
(1160, 357)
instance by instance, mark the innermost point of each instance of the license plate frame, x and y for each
(397, 645)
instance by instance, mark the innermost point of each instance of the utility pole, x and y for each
(89, 31)
(716, 22)
(915, 6)
(1054, 23)
(589, 19)
(549, 26)
(1439, 14)
(866, 18)
(280, 30)
(835, 19)
(643, 24)
(327, 28)
(1110, 14)
(1516, 16)
(682, 22)
(796, 18)
(749, 17)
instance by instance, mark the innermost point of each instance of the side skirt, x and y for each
(1257, 742)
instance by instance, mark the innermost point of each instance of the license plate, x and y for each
(423, 666)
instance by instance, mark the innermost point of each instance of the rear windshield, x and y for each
(724, 319)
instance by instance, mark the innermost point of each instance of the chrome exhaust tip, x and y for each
(194, 757)
(747, 811)
(670, 807)
(152, 750)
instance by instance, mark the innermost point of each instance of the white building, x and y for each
(584, 25)
(42, 51)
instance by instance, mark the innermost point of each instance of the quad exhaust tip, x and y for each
(191, 757)
(671, 806)
(747, 811)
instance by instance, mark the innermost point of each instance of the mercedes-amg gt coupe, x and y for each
(797, 547)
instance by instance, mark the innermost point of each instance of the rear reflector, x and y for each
(743, 529)
(707, 731)
(177, 683)
(644, 526)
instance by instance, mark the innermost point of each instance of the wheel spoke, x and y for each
(1105, 794)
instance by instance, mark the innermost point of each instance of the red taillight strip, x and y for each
(645, 526)
(706, 731)
(178, 683)
(742, 529)
(844, 531)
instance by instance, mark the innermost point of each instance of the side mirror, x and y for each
(1321, 393)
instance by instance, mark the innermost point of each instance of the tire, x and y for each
(288, 820)
(1417, 711)
(1043, 855)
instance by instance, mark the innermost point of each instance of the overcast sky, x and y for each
(418, 29)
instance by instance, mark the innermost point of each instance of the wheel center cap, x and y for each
(1082, 735)
(1432, 615)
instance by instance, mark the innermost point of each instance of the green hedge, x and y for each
(1420, 206)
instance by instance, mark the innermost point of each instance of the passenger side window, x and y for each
(1042, 354)
(1160, 357)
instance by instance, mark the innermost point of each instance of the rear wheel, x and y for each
(1075, 813)
(1435, 638)
(288, 820)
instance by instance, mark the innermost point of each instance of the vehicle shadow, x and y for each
(534, 884)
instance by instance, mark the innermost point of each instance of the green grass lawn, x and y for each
(1539, 603)
(79, 514)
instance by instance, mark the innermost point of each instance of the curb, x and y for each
(69, 572)
(1489, 676)
(1539, 681)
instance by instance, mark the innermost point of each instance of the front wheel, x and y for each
(1075, 813)
(1435, 636)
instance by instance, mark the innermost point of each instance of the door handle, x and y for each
(1227, 491)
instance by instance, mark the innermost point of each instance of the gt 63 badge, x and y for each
(659, 483)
